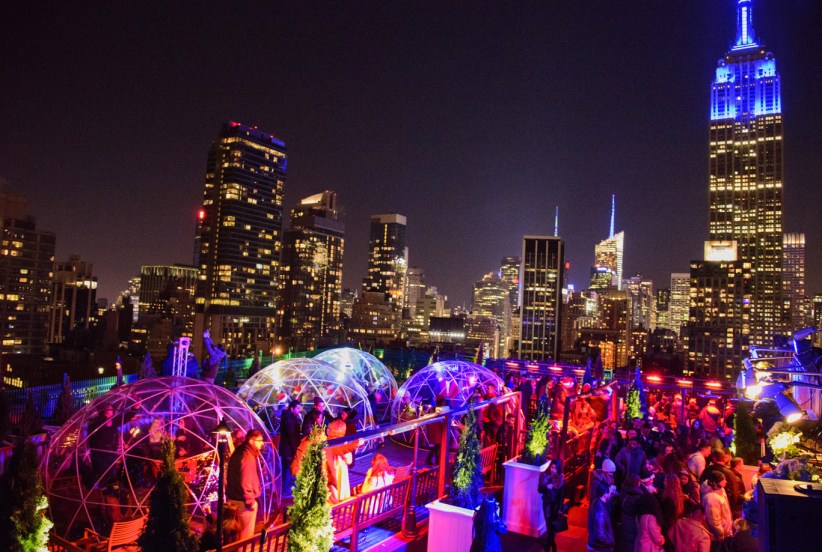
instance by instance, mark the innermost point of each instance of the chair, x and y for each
(124, 535)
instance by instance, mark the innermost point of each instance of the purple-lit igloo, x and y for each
(368, 371)
(451, 380)
(269, 390)
(97, 473)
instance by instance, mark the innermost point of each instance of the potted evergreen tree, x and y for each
(522, 507)
(311, 529)
(451, 521)
(24, 526)
(167, 526)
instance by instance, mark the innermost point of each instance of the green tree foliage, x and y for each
(536, 440)
(24, 526)
(745, 443)
(32, 422)
(167, 525)
(632, 405)
(310, 515)
(467, 480)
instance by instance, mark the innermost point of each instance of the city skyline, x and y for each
(390, 133)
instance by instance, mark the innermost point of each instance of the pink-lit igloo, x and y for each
(450, 380)
(97, 472)
(270, 389)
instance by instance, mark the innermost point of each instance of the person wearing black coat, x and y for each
(289, 435)
(552, 487)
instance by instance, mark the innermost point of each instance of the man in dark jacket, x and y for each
(600, 529)
(289, 437)
(243, 482)
(630, 459)
(318, 415)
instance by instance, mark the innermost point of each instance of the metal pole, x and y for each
(443, 459)
(410, 526)
(221, 446)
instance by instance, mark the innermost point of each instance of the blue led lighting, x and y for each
(744, 26)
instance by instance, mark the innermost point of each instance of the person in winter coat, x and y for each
(689, 533)
(600, 528)
(631, 458)
(243, 482)
(289, 435)
(716, 506)
(649, 536)
(632, 493)
(318, 415)
(216, 354)
(552, 487)
(488, 527)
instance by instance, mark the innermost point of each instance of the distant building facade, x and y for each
(541, 281)
(73, 299)
(793, 281)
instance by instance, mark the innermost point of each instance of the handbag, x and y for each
(560, 523)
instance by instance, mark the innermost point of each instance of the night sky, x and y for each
(473, 119)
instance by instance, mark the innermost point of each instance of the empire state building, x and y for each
(746, 172)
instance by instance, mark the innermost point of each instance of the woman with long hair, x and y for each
(551, 485)
(649, 536)
(488, 527)
(672, 501)
(379, 475)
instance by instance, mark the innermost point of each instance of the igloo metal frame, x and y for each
(453, 380)
(269, 390)
(366, 368)
(82, 495)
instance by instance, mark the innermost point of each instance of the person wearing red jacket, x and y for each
(243, 482)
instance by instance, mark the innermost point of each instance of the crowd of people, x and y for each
(667, 481)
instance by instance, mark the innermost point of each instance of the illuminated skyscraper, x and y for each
(680, 301)
(388, 259)
(793, 280)
(662, 310)
(640, 292)
(746, 159)
(239, 237)
(509, 273)
(312, 273)
(607, 269)
(541, 278)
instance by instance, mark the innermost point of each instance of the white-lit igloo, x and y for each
(367, 369)
(270, 389)
(96, 473)
(450, 380)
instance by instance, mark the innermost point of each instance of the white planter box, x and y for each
(450, 528)
(521, 502)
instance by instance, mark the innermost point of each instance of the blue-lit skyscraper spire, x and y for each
(613, 214)
(745, 36)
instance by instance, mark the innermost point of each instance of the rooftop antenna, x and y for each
(556, 221)
(613, 213)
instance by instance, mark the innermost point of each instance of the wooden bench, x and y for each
(274, 539)
(59, 544)
(488, 460)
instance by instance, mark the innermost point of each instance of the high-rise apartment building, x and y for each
(239, 238)
(793, 280)
(312, 273)
(491, 299)
(816, 309)
(745, 169)
(73, 299)
(541, 280)
(416, 289)
(167, 292)
(26, 272)
(680, 302)
(718, 330)
(388, 259)
(662, 309)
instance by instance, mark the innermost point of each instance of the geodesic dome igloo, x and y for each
(452, 380)
(367, 369)
(96, 474)
(270, 389)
